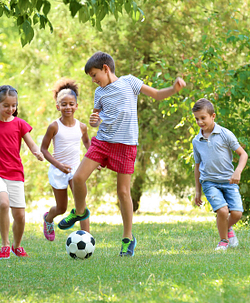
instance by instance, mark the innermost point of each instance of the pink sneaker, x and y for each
(48, 229)
(233, 241)
(222, 245)
(19, 252)
(5, 252)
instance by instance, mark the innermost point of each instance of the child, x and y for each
(66, 133)
(12, 130)
(115, 112)
(214, 171)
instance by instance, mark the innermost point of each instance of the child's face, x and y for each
(67, 106)
(100, 76)
(7, 108)
(205, 120)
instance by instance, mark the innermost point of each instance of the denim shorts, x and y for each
(222, 194)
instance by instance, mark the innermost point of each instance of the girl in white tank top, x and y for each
(66, 134)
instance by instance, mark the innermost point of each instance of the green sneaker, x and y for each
(128, 247)
(72, 218)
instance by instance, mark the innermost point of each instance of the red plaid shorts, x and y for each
(115, 156)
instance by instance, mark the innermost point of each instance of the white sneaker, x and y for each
(233, 241)
(222, 245)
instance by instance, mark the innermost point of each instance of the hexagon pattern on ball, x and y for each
(80, 244)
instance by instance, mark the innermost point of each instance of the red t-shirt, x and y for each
(11, 134)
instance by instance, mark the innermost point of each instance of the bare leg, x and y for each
(123, 191)
(18, 225)
(4, 218)
(222, 222)
(61, 196)
(82, 174)
(234, 217)
(84, 225)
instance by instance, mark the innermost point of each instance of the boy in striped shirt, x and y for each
(115, 145)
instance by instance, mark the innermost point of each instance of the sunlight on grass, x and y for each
(174, 261)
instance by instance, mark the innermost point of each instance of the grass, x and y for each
(173, 262)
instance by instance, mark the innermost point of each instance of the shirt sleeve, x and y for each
(232, 141)
(24, 127)
(97, 99)
(197, 157)
(136, 84)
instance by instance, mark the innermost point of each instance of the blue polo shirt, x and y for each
(214, 154)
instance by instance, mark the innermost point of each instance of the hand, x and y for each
(235, 179)
(39, 156)
(179, 84)
(94, 119)
(65, 168)
(198, 200)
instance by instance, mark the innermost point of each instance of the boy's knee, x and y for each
(78, 179)
(223, 211)
(236, 214)
(123, 194)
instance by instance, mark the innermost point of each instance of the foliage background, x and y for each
(205, 42)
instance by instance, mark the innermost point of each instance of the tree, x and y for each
(221, 74)
(28, 13)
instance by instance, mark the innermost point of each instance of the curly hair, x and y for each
(67, 84)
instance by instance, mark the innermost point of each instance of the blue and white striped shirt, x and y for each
(118, 104)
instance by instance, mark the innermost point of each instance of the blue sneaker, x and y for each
(128, 247)
(72, 218)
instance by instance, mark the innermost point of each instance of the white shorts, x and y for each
(15, 191)
(58, 179)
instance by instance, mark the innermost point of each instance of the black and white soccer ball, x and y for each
(80, 244)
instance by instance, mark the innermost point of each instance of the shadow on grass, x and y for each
(173, 262)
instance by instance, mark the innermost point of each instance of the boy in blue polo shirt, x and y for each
(115, 146)
(215, 173)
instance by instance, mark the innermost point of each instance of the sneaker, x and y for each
(128, 247)
(72, 218)
(48, 229)
(5, 252)
(19, 252)
(233, 241)
(222, 245)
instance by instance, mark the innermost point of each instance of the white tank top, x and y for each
(67, 143)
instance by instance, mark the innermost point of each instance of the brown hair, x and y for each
(203, 104)
(98, 60)
(8, 91)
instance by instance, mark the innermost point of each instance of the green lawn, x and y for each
(173, 262)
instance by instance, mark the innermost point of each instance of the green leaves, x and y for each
(28, 13)
(28, 32)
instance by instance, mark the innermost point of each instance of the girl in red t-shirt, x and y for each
(12, 130)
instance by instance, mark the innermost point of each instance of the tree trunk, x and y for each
(136, 191)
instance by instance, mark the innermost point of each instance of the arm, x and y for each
(160, 94)
(85, 137)
(94, 119)
(51, 132)
(33, 147)
(197, 198)
(242, 163)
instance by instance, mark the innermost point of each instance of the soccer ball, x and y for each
(80, 244)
